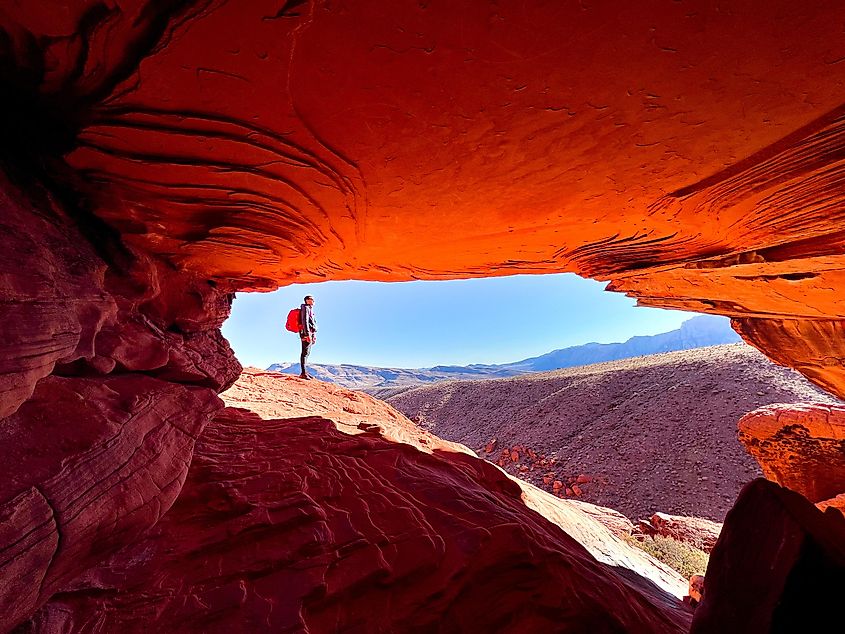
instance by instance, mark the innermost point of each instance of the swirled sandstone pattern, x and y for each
(158, 155)
(332, 526)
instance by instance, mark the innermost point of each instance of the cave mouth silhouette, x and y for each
(624, 407)
(422, 324)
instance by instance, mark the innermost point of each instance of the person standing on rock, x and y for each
(307, 333)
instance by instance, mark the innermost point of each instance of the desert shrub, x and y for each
(686, 559)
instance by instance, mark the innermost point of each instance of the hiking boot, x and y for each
(305, 376)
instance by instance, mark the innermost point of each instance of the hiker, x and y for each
(307, 333)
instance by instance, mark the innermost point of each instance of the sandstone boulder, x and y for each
(837, 502)
(695, 531)
(801, 447)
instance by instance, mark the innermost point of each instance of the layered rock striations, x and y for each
(52, 300)
(311, 524)
(90, 465)
(112, 361)
(157, 156)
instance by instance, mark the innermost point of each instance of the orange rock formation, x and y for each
(157, 155)
(801, 447)
(657, 146)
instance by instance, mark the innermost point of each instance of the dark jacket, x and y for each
(306, 318)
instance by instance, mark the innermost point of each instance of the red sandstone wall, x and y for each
(162, 154)
(110, 368)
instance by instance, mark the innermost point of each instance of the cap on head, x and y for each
(307, 297)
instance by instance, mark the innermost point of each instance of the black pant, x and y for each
(306, 350)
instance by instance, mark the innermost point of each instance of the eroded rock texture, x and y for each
(158, 155)
(801, 447)
(273, 396)
(52, 299)
(292, 525)
(96, 452)
(89, 465)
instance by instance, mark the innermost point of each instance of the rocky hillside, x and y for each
(704, 330)
(648, 434)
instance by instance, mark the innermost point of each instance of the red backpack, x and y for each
(293, 323)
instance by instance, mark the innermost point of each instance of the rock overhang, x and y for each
(688, 151)
(262, 144)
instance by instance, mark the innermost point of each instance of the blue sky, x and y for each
(458, 322)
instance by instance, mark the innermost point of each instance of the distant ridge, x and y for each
(698, 332)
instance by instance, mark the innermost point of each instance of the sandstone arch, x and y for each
(160, 155)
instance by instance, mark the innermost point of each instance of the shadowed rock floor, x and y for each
(369, 524)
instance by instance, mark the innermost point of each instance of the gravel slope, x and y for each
(654, 433)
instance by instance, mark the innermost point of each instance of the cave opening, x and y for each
(574, 389)
(424, 324)
(232, 145)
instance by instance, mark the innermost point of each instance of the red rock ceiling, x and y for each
(689, 151)
(270, 141)
(158, 155)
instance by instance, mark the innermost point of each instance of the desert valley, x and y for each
(158, 157)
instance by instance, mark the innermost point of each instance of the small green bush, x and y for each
(686, 559)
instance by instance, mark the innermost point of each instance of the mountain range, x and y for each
(697, 332)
